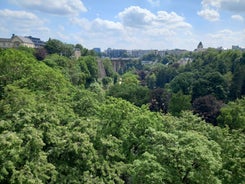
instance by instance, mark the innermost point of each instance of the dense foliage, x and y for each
(60, 123)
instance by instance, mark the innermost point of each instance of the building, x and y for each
(77, 53)
(237, 47)
(184, 61)
(141, 53)
(116, 53)
(37, 41)
(16, 41)
(200, 47)
(97, 50)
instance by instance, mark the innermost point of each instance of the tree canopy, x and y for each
(59, 124)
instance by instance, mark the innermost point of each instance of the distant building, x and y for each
(200, 47)
(116, 53)
(97, 50)
(37, 41)
(184, 61)
(77, 53)
(140, 53)
(237, 47)
(16, 41)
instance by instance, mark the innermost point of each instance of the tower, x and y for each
(200, 46)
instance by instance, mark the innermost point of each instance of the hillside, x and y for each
(60, 123)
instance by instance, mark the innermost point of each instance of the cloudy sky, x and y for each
(128, 24)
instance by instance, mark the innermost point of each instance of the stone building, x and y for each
(16, 41)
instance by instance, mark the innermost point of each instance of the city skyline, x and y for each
(129, 24)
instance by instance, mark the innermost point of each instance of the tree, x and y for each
(147, 170)
(92, 66)
(183, 157)
(108, 68)
(207, 107)
(53, 130)
(151, 81)
(178, 103)
(75, 71)
(159, 100)
(165, 75)
(54, 46)
(183, 82)
(233, 115)
(15, 65)
(237, 88)
(40, 53)
(233, 145)
(217, 85)
(134, 93)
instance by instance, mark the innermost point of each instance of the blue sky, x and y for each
(128, 24)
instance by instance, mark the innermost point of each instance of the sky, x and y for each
(128, 24)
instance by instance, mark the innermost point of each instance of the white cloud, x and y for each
(97, 24)
(61, 7)
(106, 25)
(136, 28)
(81, 22)
(237, 17)
(209, 14)
(226, 38)
(135, 16)
(211, 3)
(211, 8)
(6, 13)
(231, 5)
(22, 22)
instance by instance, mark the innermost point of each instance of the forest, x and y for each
(162, 123)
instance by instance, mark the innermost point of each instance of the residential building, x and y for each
(116, 53)
(16, 41)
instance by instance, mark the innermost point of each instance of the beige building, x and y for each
(16, 41)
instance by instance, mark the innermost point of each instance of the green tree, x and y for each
(237, 88)
(147, 170)
(178, 103)
(136, 94)
(54, 46)
(165, 75)
(184, 157)
(90, 65)
(233, 115)
(151, 81)
(108, 68)
(183, 82)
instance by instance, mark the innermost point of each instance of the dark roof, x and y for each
(200, 45)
